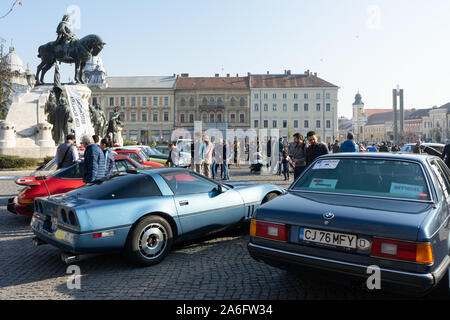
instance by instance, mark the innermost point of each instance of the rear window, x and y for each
(122, 187)
(380, 178)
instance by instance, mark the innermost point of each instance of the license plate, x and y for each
(64, 236)
(329, 238)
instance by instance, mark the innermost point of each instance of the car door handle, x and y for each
(184, 203)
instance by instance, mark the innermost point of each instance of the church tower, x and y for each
(359, 118)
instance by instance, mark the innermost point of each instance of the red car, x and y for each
(60, 182)
(138, 156)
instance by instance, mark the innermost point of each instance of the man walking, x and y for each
(315, 149)
(297, 154)
(199, 154)
(349, 145)
(94, 161)
(67, 153)
(208, 159)
(226, 158)
(174, 156)
(336, 147)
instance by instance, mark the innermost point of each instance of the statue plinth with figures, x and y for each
(41, 118)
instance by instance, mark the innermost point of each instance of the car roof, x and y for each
(160, 171)
(382, 155)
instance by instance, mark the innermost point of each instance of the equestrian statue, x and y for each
(68, 49)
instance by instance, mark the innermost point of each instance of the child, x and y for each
(286, 160)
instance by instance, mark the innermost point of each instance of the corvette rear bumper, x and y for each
(415, 282)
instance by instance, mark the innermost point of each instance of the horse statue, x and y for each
(78, 52)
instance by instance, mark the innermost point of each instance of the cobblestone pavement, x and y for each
(214, 268)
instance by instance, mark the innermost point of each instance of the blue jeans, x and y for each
(226, 173)
(213, 171)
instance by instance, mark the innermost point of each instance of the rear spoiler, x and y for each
(30, 181)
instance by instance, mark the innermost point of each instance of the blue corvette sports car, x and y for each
(144, 213)
(349, 213)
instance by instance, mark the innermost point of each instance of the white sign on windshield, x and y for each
(323, 184)
(398, 188)
(326, 164)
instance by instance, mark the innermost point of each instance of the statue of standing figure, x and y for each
(114, 126)
(98, 119)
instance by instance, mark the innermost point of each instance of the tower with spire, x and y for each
(359, 118)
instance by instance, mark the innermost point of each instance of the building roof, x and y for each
(345, 124)
(371, 112)
(145, 82)
(289, 81)
(418, 114)
(198, 83)
(382, 118)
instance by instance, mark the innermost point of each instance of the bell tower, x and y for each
(359, 118)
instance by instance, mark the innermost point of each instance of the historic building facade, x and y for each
(218, 102)
(146, 105)
(294, 103)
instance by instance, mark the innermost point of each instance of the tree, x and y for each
(5, 86)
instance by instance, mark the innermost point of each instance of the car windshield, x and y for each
(366, 177)
(121, 187)
(156, 152)
(75, 171)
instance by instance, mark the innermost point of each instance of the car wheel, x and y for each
(270, 197)
(150, 241)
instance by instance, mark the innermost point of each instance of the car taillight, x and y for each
(402, 250)
(273, 231)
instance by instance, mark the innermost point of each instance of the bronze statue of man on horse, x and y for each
(68, 49)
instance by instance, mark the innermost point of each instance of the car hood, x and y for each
(361, 215)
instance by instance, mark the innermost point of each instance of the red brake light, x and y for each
(402, 250)
(273, 231)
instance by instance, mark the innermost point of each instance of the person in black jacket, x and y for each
(315, 149)
(446, 155)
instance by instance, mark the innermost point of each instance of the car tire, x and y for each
(270, 197)
(150, 241)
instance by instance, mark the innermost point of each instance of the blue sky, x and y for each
(369, 46)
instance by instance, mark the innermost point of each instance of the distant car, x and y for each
(59, 182)
(151, 155)
(348, 212)
(163, 149)
(138, 155)
(143, 214)
(409, 148)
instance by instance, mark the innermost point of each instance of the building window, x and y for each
(328, 96)
(166, 116)
(111, 102)
(274, 96)
(256, 96)
(182, 119)
(266, 96)
(122, 116)
(212, 101)
(182, 102)
(284, 96)
(233, 101)
(204, 102)
(166, 101)
(306, 96)
(133, 101)
(191, 118)
(144, 101)
(266, 124)
(144, 116)
(306, 107)
(256, 107)
(256, 124)
(285, 107)
(219, 101)
(242, 118)
(328, 124)
(233, 118)
(219, 118)
(155, 101)
(295, 124)
(295, 96)
(328, 107)
(285, 124)
(275, 107)
(275, 124)
(242, 102)
(318, 107)
(318, 96)
(318, 124)
(296, 107)
(266, 107)
(211, 118)
(306, 124)
(133, 117)
(122, 101)
(155, 117)
(191, 102)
